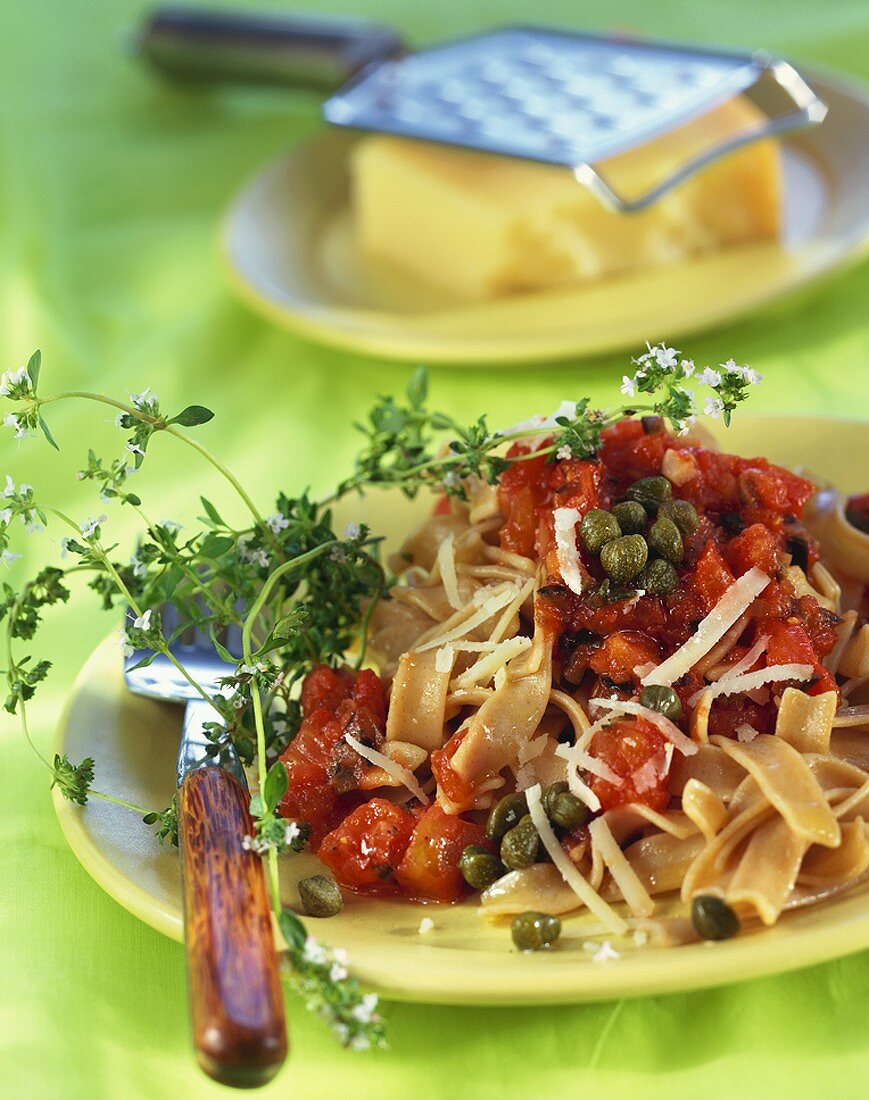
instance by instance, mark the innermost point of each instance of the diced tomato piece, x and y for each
(520, 526)
(789, 644)
(430, 866)
(755, 547)
(443, 507)
(857, 511)
(368, 692)
(459, 792)
(621, 653)
(819, 623)
(712, 577)
(634, 749)
(325, 687)
(365, 849)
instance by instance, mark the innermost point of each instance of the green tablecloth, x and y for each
(111, 189)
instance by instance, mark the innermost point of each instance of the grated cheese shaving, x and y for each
(588, 763)
(565, 521)
(482, 671)
(745, 663)
(605, 953)
(737, 599)
(447, 563)
(444, 659)
(426, 925)
(746, 733)
(583, 890)
(750, 681)
(488, 605)
(397, 771)
(511, 610)
(627, 706)
(576, 786)
(624, 876)
(500, 678)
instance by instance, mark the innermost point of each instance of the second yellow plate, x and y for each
(288, 246)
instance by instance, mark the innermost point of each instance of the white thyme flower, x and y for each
(450, 479)
(7, 557)
(337, 972)
(365, 1010)
(17, 424)
(31, 526)
(139, 567)
(714, 407)
(314, 952)
(144, 400)
(11, 379)
(351, 531)
(709, 377)
(24, 488)
(687, 367)
(143, 622)
(360, 1041)
(135, 449)
(261, 558)
(291, 833)
(9, 491)
(248, 843)
(628, 386)
(665, 357)
(90, 525)
(171, 524)
(687, 424)
(563, 454)
(277, 523)
(252, 670)
(340, 955)
(5, 515)
(64, 547)
(122, 639)
(119, 420)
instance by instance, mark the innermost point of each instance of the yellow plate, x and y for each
(288, 246)
(463, 960)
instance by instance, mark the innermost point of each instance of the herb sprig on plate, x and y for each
(298, 591)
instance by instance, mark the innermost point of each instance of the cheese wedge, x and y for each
(483, 226)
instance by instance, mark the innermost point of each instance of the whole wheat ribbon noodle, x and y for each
(711, 766)
(703, 807)
(788, 784)
(767, 870)
(418, 701)
(510, 716)
(538, 887)
(806, 721)
(825, 866)
(659, 861)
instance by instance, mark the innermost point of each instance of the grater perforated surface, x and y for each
(543, 95)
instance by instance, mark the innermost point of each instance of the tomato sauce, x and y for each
(749, 516)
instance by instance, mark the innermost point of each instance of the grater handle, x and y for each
(803, 110)
(202, 45)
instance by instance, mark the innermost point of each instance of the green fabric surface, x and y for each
(112, 185)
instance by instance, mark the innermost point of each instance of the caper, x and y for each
(535, 931)
(713, 918)
(659, 578)
(562, 807)
(597, 529)
(479, 867)
(506, 813)
(651, 492)
(320, 896)
(682, 513)
(631, 516)
(520, 845)
(622, 559)
(662, 699)
(664, 538)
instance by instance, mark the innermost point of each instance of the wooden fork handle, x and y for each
(236, 1001)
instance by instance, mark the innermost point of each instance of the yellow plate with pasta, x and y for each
(769, 814)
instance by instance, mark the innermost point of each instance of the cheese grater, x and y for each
(539, 94)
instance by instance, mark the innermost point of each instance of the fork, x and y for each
(236, 1001)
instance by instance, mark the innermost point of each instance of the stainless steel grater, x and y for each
(538, 94)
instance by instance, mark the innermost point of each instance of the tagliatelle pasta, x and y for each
(610, 715)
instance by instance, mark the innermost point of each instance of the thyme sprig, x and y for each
(295, 592)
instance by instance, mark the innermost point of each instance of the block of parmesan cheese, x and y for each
(482, 225)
